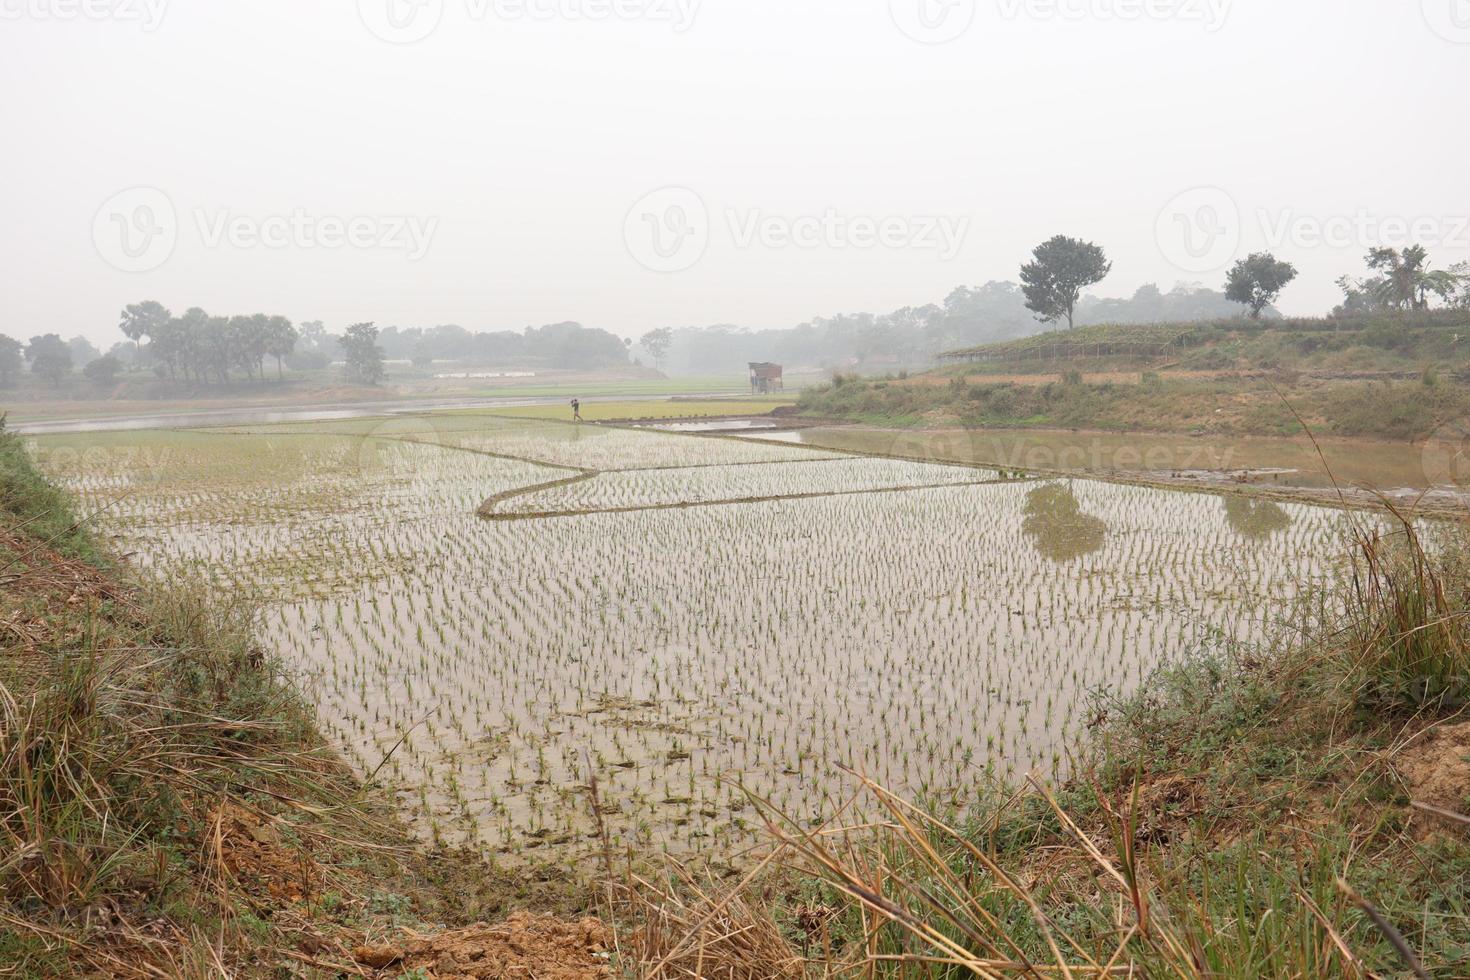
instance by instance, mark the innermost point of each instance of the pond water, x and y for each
(1440, 466)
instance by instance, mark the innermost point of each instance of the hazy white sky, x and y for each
(640, 163)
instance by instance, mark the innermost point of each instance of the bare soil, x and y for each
(525, 945)
(1436, 770)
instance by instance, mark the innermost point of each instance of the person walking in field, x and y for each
(576, 410)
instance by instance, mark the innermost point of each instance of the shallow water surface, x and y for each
(1382, 465)
(684, 628)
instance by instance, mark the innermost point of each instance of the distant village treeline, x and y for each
(197, 348)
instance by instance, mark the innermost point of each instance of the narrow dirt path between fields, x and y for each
(732, 501)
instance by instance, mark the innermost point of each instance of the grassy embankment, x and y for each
(1390, 377)
(1294, 809)
(166, 806)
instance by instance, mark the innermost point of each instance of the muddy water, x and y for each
(1387, 466)
(730, 426)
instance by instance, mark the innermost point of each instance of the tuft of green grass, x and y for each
(34, 505)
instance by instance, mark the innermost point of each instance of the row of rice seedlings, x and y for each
(665, 487)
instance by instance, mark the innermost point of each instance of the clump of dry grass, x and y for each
(928, 899)
(692, 926)
(683, 924)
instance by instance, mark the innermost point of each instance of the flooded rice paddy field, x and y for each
(796, 609)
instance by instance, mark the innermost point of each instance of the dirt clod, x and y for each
(525, 945)
(377, 957)
(254, 854)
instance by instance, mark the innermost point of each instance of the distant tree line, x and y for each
(1050, 291)
(913, 335)
(54, 360)
(565, 346)
(195, 348)
(202, 349)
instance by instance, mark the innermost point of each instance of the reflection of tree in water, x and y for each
(1056, 524)
(1255, 518)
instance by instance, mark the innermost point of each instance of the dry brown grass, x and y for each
(696, 926)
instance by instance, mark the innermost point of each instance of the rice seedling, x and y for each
(932, 625)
